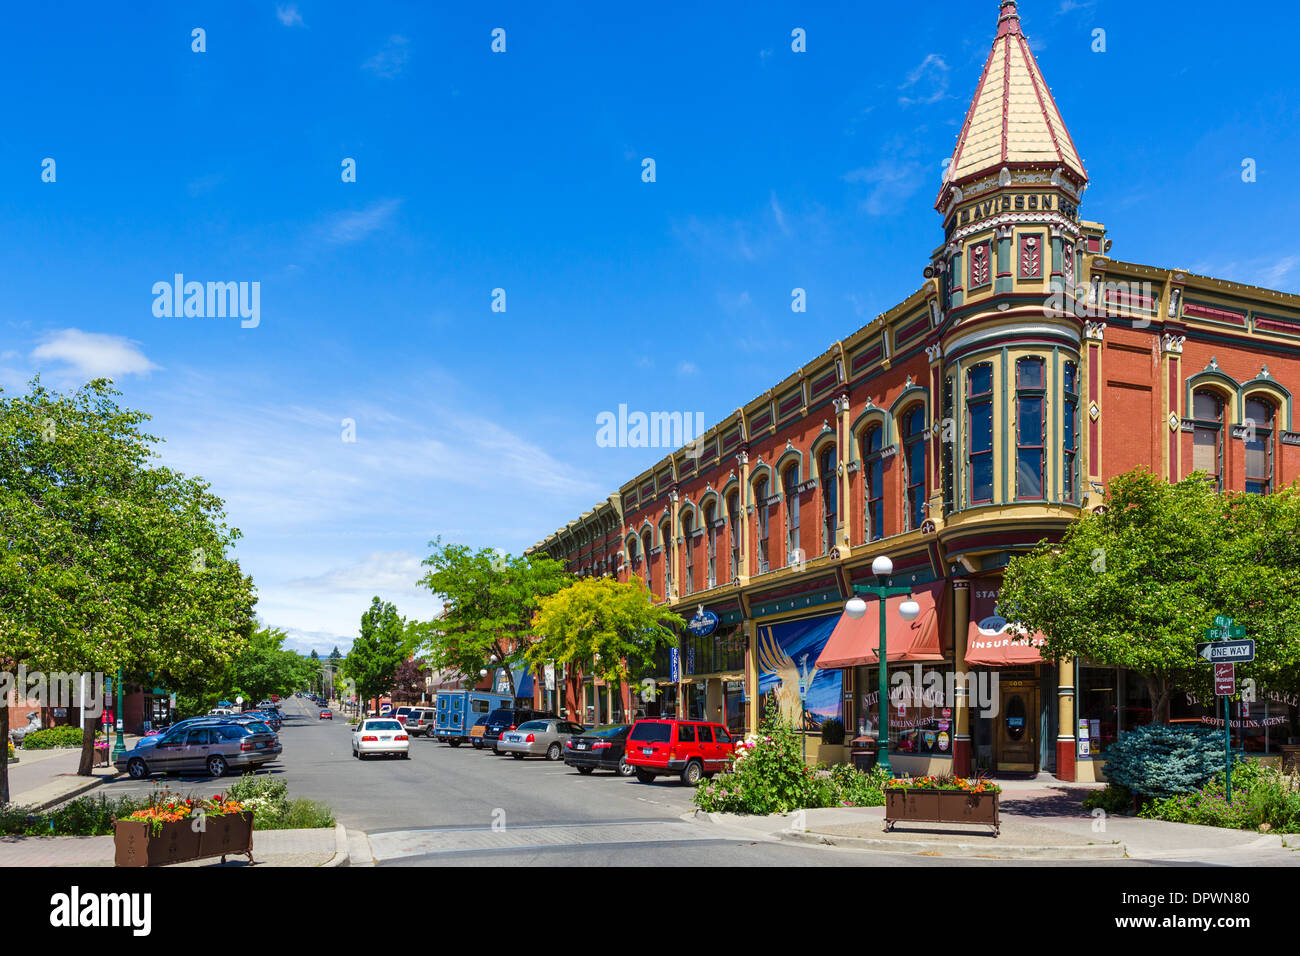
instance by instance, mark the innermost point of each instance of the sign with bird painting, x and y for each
(787, 655)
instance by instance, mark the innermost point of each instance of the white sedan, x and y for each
(380, 735)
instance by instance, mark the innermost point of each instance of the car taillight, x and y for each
(364, 739)
(511, 727)
(672, 753)
(601, 745)
(401, 737)
(245, 745)
(530, 739)
(569, 742)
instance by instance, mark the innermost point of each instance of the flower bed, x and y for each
(960, 800)
(175, 831)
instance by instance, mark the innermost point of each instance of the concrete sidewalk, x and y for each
(44, 778)
(320, 847)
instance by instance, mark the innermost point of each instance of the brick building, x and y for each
(982, 413)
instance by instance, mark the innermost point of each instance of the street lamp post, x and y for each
(119, 743)
(856, 608)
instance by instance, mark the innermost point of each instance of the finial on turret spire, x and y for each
(1008, 18)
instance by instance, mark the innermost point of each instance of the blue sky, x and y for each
(522, 171)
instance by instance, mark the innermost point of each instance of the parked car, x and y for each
(326, 714)
(221, 712)
(690, 749)
(268, 716)
(476, 732)
(601, 748)
(421, 722)
(153, 737)
(400, 713)
(458, 709)
(215, 748)
(381, 735)
(507, 719)
(538, 738)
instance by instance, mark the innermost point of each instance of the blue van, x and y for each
(459, 709)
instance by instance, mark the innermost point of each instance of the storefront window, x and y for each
(1268, 725)
(920, 716)
(1098, 709)
(734, 707)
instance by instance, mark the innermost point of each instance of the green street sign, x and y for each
(1222, 620)
(1237, 630)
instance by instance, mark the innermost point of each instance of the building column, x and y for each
(961, 737)
(843, 455)
(751, 673)
(742, 503)
(1065, 745)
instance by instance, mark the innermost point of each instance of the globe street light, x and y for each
(856, 608)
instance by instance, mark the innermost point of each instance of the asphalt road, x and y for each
(465, 807)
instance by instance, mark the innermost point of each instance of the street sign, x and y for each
(1239, 652)
(1225, 680)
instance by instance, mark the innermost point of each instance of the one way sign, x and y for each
(1237, 652)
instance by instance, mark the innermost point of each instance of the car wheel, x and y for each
(454, 743)
(406, 755)
(625, 769)
(217, 766)
(518, 756)
(644, 776)
(585, 770)
(355, 754)
(554, 751)
(478, 745)
(137, 769)
(692, 773)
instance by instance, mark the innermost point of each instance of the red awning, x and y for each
(854, 643)
(990, 640)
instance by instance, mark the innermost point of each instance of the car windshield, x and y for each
(652, 731)
(257, 727)
(533, 725)
(382, 725)
(481, 721)
(501, 717)
(618, 730)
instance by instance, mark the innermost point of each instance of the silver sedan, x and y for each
(537, 738)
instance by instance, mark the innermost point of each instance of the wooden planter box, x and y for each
(135, 845)
(941, 806)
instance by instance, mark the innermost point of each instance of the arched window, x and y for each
(733, 518)
(763, 510)
(979, 431)
(666, 539)
(633, 553)
(914, 460)
(1207, 435)
(830, 498)
(1259, 446)
(711, 542)
(1030, 427)
(688, 575)
(789, 482)
(1070, 426)
(873, 466)
(646, 545)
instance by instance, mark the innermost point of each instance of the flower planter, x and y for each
(908, 805)
(135, 844)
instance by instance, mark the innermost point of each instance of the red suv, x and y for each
(692, 749)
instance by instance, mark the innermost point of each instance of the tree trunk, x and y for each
(1161, 691)
(87, 764)
(4, 752)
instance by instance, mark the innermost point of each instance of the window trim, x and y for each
(872, 460)
(912, 521)
(973, 399)
(1031, 393)
(1206, 425)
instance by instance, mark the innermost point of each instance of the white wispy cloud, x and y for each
(892, 180)
(927, 83)
(391, 60)
(81, 356)
(356, 225)
(288, 14)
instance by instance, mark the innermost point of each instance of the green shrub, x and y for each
(833, 731)
(1158, 760)
(52, 737)
(1114, 800)
(268, 798)
(1262, 799)
(854, 788)
(84, 816)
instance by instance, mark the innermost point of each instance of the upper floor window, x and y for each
(979, 431)
(763, 510)
(789, 482)
(645, 543)
(873, 467)
(1207, 435)
(1259, 446)
(711, 538)
(688, 575)
(914, 461)
(733, 518)
(1030, 427)
(1069, 425)
(830, 497)
(666, 539)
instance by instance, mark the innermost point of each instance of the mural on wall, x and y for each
(787, 654)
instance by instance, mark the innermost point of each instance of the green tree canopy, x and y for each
(264, 667)
(378, 652)
(601, 625)
(488, 599)
(109, 560)
(1136, 584)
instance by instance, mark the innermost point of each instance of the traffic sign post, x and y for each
(1225, 680)
(1226, 645)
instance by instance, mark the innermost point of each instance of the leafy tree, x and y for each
(375, 656)
(603, 626)
(264, 667)
(108, 560)
(408, 681)
(1135, 585)
(489, 599)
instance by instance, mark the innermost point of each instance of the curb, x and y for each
(340, 857)
(1091, 851)
(77, 791)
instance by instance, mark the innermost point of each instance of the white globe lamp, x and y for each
(855, 608)
(909, 610)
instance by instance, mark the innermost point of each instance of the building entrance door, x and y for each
(1016, 738)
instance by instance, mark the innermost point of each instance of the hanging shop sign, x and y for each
(703, 623)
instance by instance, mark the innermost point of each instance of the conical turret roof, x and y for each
(1013, 119)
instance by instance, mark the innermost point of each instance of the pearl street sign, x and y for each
(1236, 652)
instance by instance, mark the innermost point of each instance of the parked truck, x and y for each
(458, 709)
